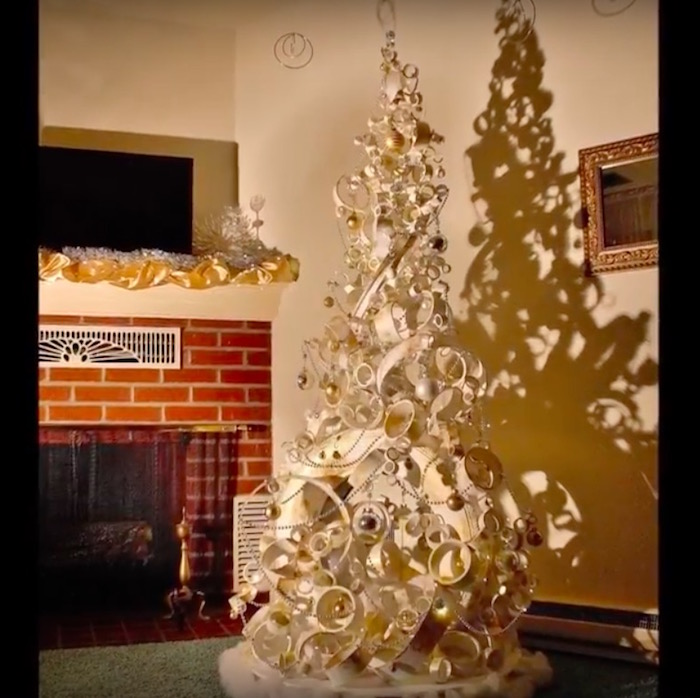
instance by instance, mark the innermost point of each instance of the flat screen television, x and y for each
(121, 201)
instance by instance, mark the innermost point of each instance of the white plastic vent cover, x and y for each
(249, 523)
(116, 347)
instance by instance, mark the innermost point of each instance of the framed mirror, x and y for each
(619, 198)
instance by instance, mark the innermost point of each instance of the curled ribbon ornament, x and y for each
(449, 562)
(361, 409)
(353, 446)
(435, 489)
(336, 608)
(268, 645)
(346, 664)
(483, 467)
(399, 418)
(388, 324)
(280, 558)
(440, 669)
(400, 353)
(462, 650)
(384, 562)
(390, 264)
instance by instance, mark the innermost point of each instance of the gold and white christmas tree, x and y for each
(395, 554)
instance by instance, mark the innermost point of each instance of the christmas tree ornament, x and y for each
(303, 380)
(353, 221)
(534, 537)
(394, 549)
(455, 502)
(272, 511)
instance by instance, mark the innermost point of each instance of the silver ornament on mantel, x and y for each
(232, 236)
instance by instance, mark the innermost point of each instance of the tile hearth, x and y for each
(82, 630)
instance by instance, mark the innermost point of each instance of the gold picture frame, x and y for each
(619, 200)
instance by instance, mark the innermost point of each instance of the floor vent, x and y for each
(249, 523)
(116, 347)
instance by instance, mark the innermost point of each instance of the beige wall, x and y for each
(177, 71)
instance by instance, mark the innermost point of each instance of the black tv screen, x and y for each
(122, 201)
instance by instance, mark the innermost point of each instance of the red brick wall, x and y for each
(224, 379)
(218, 466)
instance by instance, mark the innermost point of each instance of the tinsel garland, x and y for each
(241, 260)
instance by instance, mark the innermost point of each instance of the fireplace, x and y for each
(108, 497)
(123, 449)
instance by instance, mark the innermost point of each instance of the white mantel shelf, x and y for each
(231, 302)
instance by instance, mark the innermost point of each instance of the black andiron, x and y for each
(184, 599)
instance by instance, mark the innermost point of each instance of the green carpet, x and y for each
(190, 670)
(159, 670)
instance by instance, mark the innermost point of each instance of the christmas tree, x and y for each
(397, 560)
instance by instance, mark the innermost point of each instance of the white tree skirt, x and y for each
(243, 676)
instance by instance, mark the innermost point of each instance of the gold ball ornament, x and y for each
(273, 511)
(329, 301)
(332, 392)
(395, 141)
(303, 380)
(353, 221)
(455, 502)
(334, 345)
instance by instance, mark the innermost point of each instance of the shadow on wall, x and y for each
(563, 407)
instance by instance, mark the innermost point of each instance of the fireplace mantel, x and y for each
(230, 302)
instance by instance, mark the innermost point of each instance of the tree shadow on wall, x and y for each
(564, 387)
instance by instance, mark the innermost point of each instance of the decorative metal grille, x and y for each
(249, 523)
(117, 347)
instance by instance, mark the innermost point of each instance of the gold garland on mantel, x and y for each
(147, 273)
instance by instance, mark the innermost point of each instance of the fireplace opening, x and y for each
(109, 499)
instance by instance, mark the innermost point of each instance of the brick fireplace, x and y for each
(218, 401)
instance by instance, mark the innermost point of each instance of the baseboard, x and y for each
(610, 633)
